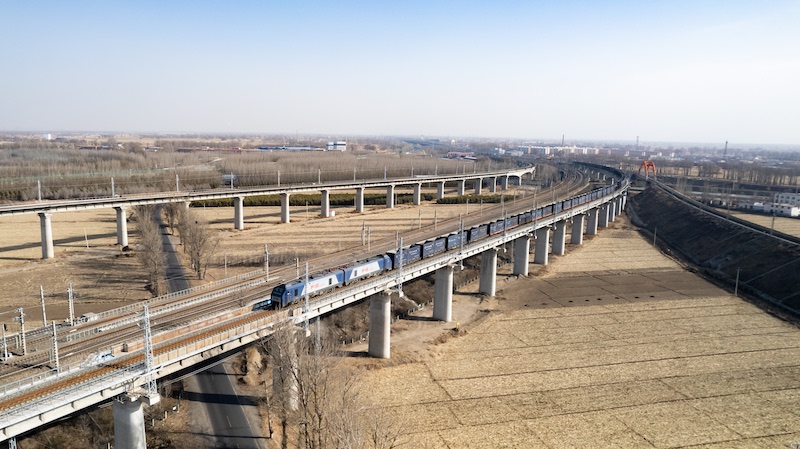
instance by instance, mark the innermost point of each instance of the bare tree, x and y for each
(319, 395)
(151, 248)
(173, 213)
(197, 240)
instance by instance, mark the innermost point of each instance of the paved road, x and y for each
(224, 408)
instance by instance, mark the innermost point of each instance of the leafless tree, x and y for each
(323, 396)
(151, 248)
(197, 240)
(172, 214)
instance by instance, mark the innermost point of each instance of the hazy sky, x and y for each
(705, 71)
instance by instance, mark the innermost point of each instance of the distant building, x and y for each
(339, 145)
(783, 210)
(791, 199)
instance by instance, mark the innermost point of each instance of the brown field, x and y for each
(786, 225)
(611, 346)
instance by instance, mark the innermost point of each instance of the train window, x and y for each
(330, 281)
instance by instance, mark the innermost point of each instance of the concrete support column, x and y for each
(440, 191)
(359, 199)
(488, 276)
(522, 246)
(577, 229)
(325, 204)
(504, 182)
(379, 325)
(122, 227)
(443, 294)
(390, 197)
(624, 199)
(128, 424)
(612, 210)
(492, 185)
(540, 255)
(417, 194)
(603, 220)
(238, 213)
(186, 204)
(591, 226)
(478, 186)
(461, 188)
(285, 208)
(47, 235)
(560, 238)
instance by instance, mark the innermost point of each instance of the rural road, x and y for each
(213, 389)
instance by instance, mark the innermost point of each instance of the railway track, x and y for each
(122, 327)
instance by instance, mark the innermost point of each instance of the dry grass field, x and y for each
(611, 346)
(786, 225)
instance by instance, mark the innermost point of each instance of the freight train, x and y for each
(320, 283)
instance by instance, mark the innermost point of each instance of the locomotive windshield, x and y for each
(278, 291)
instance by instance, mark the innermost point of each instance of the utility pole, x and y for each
(56, 365)
(305, 297)
(177, 183)
(149, 360)
(21, 319)
(39, 188)
(266, 260)
(44, 312)
(71, 301)
(399, 278)
(112, 189)
(736, 288)
(5, 345)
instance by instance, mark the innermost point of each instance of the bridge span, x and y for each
(45, 209)
(27, 405)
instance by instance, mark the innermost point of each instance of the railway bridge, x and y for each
(46, 209)
(129, 376)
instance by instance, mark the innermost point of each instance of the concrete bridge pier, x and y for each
(325, 204)
(540, 255)
(623, 202)
(238, 213)
(603, 221)
(440, 191)
(443, 294)
(478, 185)
(47, 235)
(522, 248)
(359, 199)
(591, 225)
(285, 208)
(128, 423)
(122, 227)
(417, 194)
(461, 187)
(379, 325)
(390, 196)
(488, 274)
(504, 182)
(560, 238)
(577, 229)
(493, 185)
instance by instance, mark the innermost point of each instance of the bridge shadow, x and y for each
(57, 242)
(418, 318)
(216, 398)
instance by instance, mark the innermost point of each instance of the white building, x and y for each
(339, 145)
(792, 199)
(782, 210)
